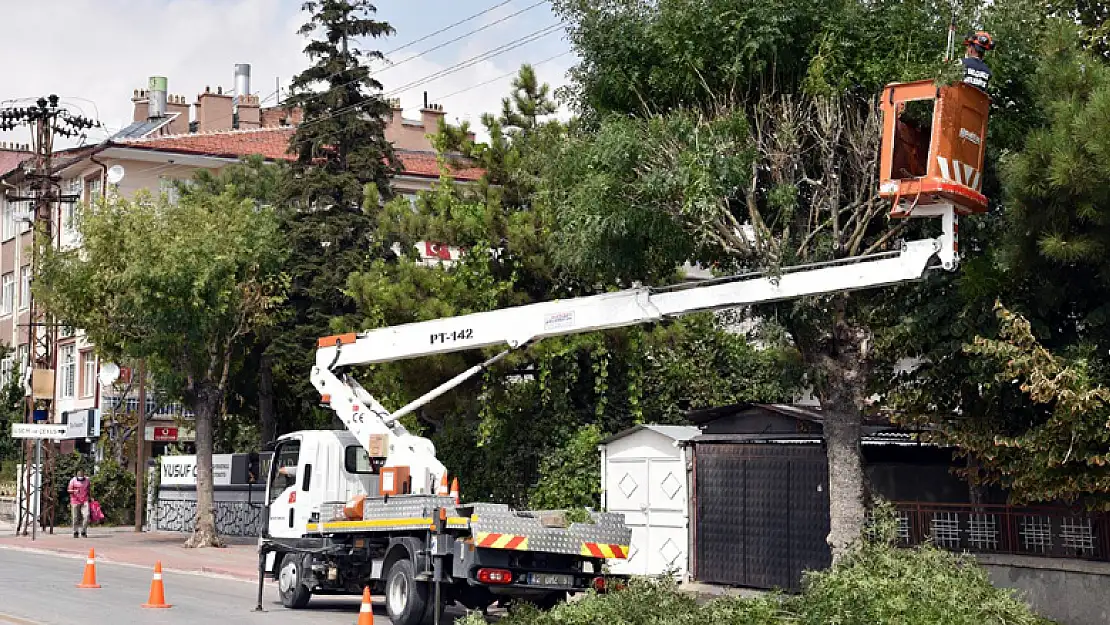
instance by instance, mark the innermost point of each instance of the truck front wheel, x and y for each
(291, 576)
(406, 600)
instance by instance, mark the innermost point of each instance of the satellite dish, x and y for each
(109, 373)
(115, 174)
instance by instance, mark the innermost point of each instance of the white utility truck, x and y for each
(370, 506)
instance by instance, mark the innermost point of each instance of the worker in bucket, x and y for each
(976, 72)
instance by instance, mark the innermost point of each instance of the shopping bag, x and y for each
(96, 515)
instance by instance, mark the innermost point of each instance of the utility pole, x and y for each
(140, 448)
(46, 120)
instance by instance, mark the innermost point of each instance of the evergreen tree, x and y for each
(344, 164)
(528, 101)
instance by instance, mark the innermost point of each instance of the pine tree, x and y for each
(528, 101)
(340, 144)
(343, 169)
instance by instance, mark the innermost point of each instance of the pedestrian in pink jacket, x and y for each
(79, 503)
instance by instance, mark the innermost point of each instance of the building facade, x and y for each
(169, 140)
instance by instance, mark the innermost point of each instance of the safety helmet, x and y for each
(980, 39)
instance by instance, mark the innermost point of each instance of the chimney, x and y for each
(430, 116)
(156, 102)
(249, 114)
(214, 110)
(142, 109)
(394, 125)
(180, 124)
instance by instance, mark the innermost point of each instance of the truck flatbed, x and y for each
(489, 525)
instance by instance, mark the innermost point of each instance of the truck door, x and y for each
(281, 495)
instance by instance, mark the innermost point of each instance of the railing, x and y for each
(1035, 531)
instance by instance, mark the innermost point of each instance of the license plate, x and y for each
(551, 579)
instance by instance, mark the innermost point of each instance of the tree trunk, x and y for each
(842, 358)
(205, 405)
(974, 484)
(847, 512)
(267, 418)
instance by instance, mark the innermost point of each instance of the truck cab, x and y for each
(310, 468)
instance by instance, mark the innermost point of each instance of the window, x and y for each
(24, 353)
(306, 483)
(7, 293)
(286, 457)
(168, 187)
(88, 373)
(92, 190)
(6, 367)
(66, 332)
(9, 220)
(25, 288)
(356, 460)
(67, 358)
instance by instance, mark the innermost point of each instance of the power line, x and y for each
(447, 28)
(430, 35)
(462, 36)
(501, 77)
(499, 50)
(512, 45)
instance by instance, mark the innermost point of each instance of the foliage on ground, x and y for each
(876, 583)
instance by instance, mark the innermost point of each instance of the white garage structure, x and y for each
(644, 476)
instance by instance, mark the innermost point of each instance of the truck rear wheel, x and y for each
(406, 600)
(294, 593)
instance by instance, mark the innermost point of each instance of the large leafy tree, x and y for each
(548, 403)
(342, 167)
(746, 136)
(181, 284)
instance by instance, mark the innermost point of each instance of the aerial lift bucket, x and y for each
(934, 158)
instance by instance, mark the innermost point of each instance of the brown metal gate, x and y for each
(762, 513)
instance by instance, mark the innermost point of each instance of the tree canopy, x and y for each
(180, 284)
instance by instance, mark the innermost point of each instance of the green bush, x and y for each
(875, 584)
(571, 477)
(114, 488)
(647, 602)
(879, 583)
(65, 468)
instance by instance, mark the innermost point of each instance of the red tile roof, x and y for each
(10, 159)
(273, 143)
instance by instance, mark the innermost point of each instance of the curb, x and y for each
(211, 572)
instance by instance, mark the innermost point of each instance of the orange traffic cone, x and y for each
(89, 581)
(442, 485)
(366, 612)
(157, 591)
(455, 490)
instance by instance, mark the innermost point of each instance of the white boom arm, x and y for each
(521, 325)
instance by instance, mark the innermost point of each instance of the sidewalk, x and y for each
(122, 545)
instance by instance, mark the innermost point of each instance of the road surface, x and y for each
(39, 589)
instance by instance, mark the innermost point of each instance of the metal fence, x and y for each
(1034, 531)
(233, 518)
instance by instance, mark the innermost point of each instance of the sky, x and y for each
(99, 51)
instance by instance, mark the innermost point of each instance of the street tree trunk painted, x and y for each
(205, 405)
